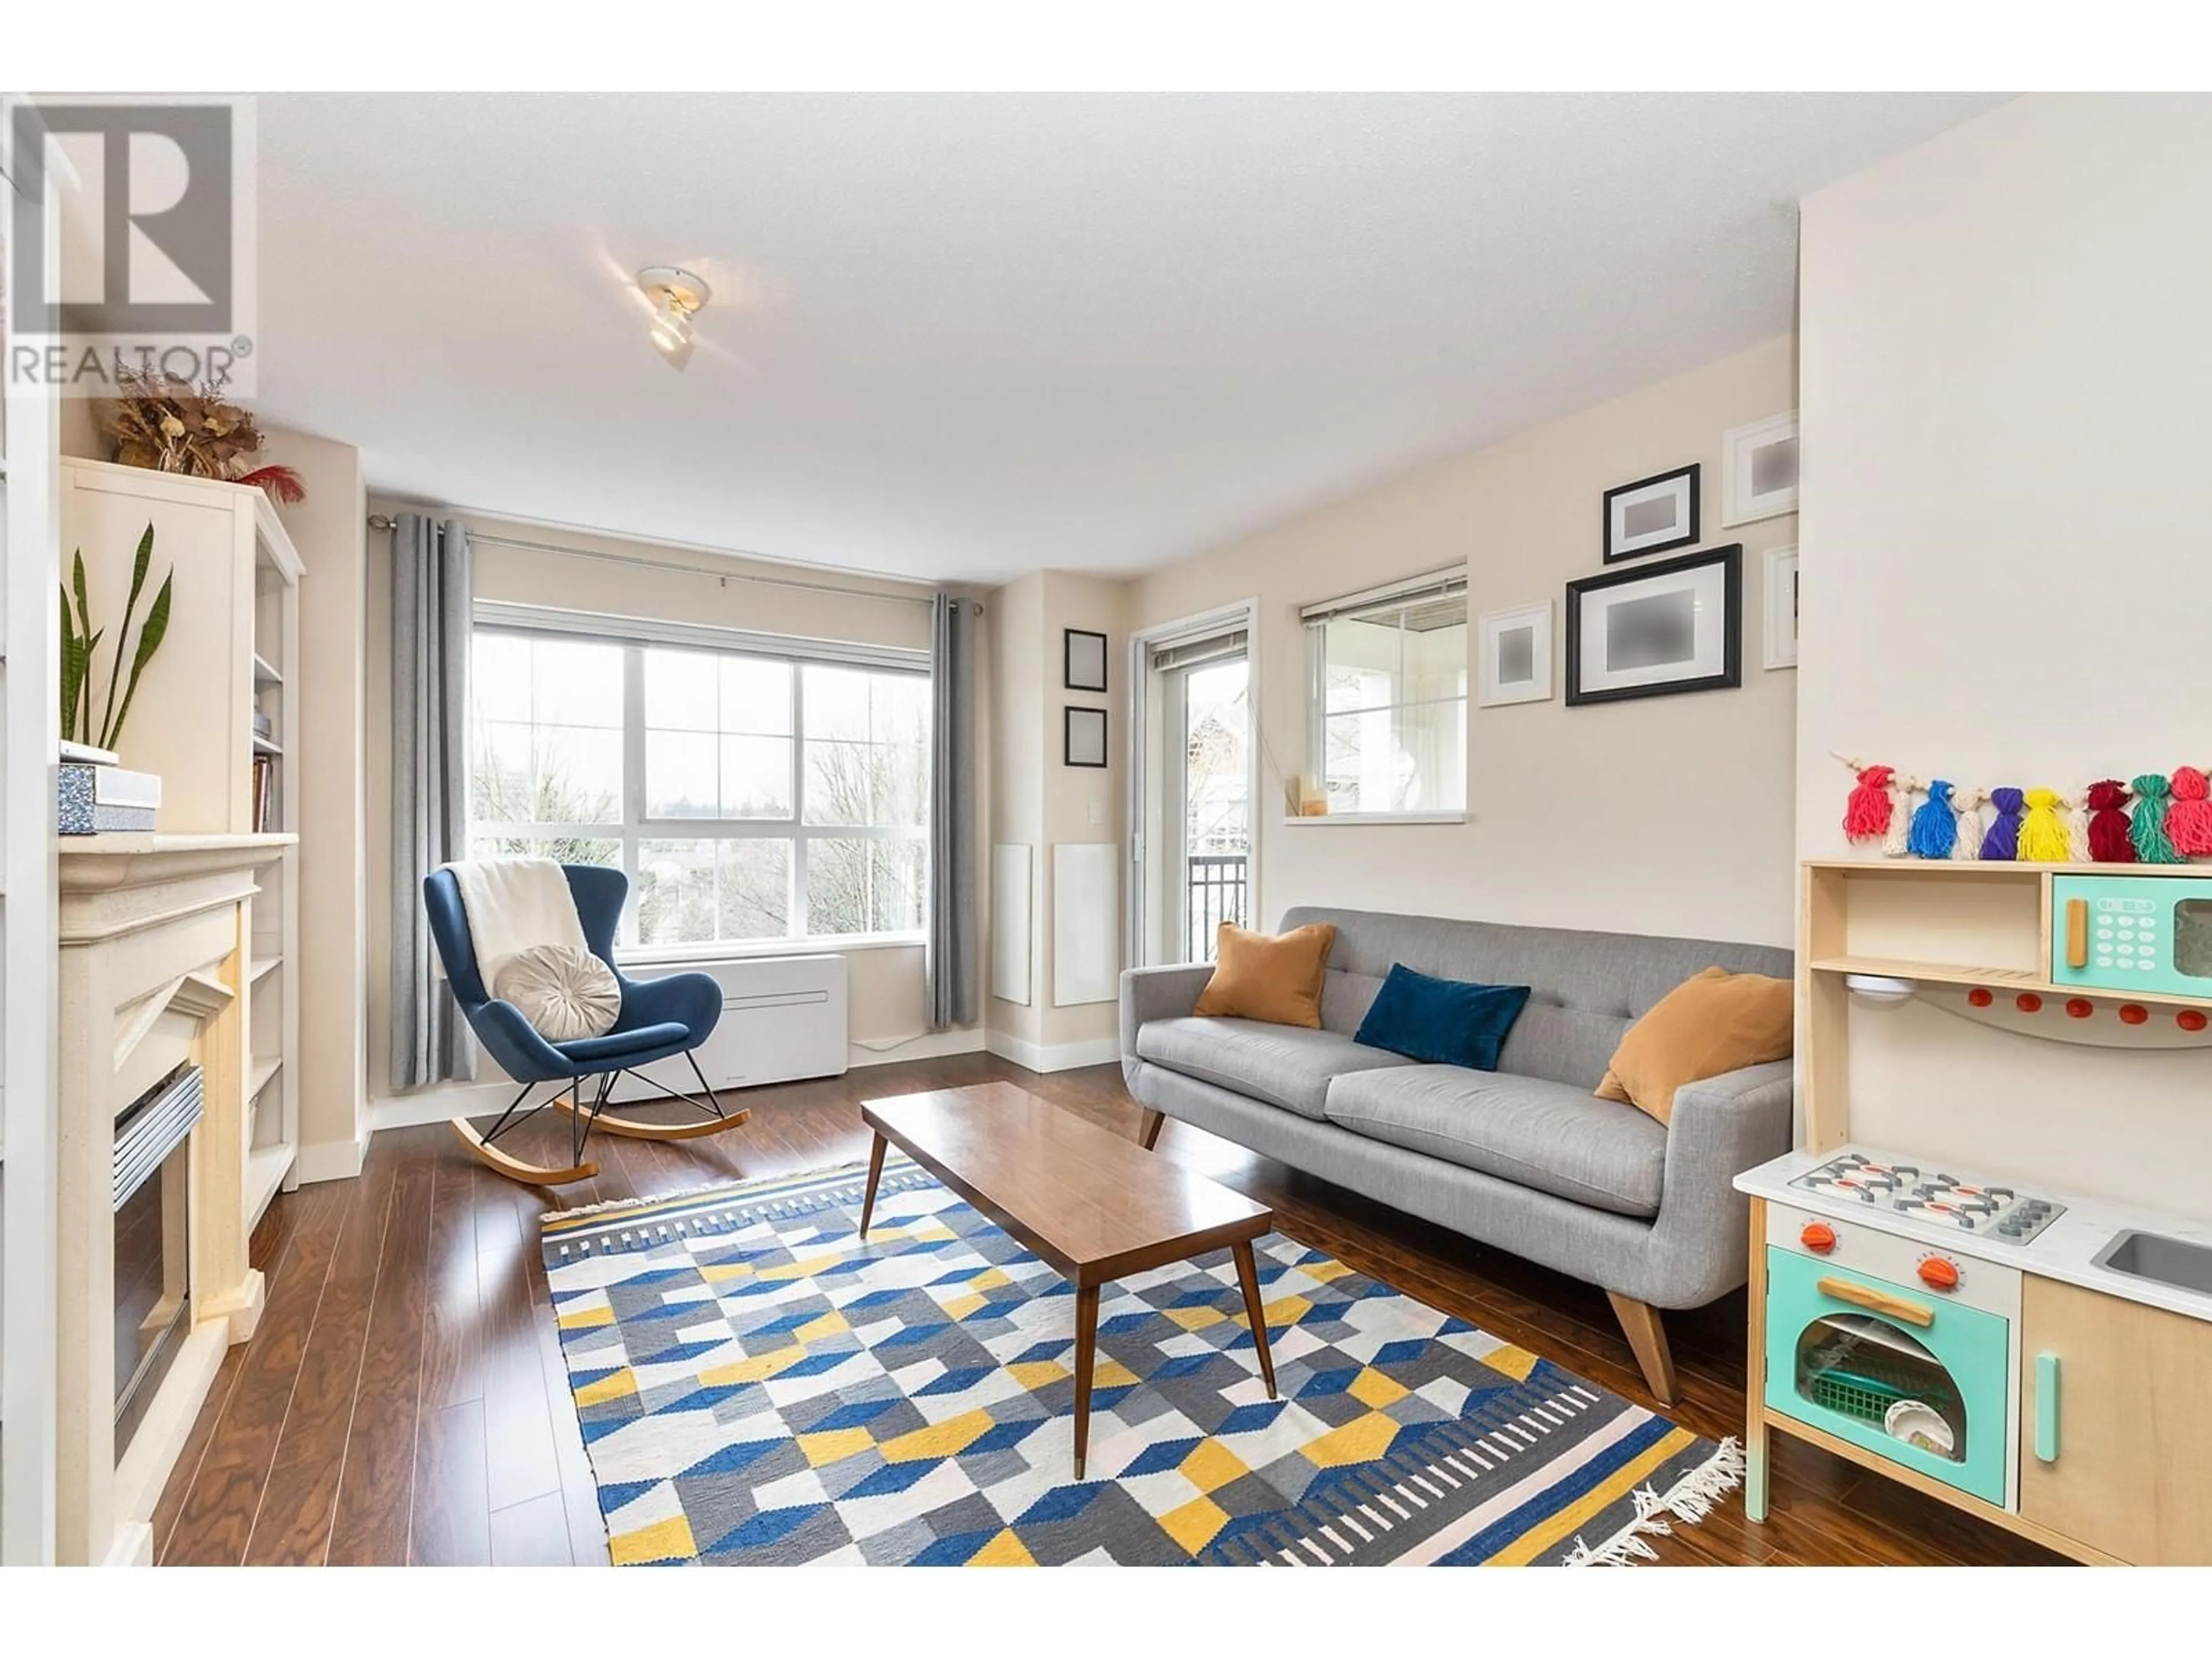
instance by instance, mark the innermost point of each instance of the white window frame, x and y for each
(633, 636)
(1313, 618)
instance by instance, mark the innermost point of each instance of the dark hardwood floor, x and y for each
(404, 1399)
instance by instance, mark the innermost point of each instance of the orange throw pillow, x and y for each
(1275, 978)
(1714, 1023)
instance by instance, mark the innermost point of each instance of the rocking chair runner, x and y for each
(660, 1019)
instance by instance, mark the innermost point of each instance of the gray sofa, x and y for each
(1525, 1157)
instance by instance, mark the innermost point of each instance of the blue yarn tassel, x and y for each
(1935, 829)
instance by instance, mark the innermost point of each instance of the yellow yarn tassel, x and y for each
(2043, 833)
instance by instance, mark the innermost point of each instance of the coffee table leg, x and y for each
(1248, 1275)
(875, 1174)
(1086, 1353)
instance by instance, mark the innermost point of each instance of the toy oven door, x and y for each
(1932, 1396)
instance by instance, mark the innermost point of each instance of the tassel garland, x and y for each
(2077, 828)
(2001, 844)
(1935, 825)
(1868, 812)
(2189, 820)
(2149, 819)
(2108, 823)
(1968, 800)
(2043, 836)
(1901, 820)
(2147, 827)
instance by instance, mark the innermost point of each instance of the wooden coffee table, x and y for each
(1094, 1204)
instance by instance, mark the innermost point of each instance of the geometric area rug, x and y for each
(756, 1386)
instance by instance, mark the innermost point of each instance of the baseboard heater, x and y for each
(783, 1018)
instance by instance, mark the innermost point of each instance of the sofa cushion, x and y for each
(1446, 1021)
(1286, 1065)
(1711, 1023)
(1553, 1137)
(1267, 977)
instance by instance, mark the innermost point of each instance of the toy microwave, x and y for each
(2122, 933)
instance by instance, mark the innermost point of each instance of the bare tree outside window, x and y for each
(778, 798)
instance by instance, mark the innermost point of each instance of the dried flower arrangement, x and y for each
(165, 424)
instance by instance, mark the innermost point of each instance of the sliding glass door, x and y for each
(1193, 785)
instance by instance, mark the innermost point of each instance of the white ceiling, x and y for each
(962, 337)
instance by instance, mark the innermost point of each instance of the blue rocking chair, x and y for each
(659, 1019)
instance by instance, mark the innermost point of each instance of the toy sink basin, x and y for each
(2172, 1261)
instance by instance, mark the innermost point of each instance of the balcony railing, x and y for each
(1216, 895)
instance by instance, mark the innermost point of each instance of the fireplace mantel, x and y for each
(154, 936)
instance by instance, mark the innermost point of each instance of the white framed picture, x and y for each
(1653, 630)
(1517, 655)
(1758, 470)
(1782, 607)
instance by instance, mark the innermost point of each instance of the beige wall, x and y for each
(329, 532)
(885, 983)
(2006, 349)
(1666, 816)
(1040, 802)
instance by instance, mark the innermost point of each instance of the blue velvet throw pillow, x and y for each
(1441, 1022)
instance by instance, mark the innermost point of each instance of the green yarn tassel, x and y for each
(2147, 825)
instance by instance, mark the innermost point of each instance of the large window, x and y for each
(1387, 734)
(750, 795)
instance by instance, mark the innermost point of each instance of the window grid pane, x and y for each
(1390, 709)
(742, 747)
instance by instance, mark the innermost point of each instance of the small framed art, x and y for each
(1082, 660)
(1083, 737)
(1658, 630)
(1781, 607)
(1517, 655)
(1652, 515)
(1758, 470)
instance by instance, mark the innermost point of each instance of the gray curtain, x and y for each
(430, 620)
(954, 950)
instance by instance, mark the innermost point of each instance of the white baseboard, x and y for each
(928, 1046)
(333, 1160)
(436, 1105)
(1058, 1057)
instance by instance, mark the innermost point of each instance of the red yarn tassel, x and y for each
(2189, 820)
(2109, 841)
(1866, 813)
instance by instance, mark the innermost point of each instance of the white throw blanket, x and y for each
(512, 904)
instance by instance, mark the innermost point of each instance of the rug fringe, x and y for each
(612, 1204)
(1690, 1500)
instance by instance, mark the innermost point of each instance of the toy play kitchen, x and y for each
(2040, 1359)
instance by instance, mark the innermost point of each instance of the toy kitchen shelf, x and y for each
(1997, 934)
(2032, 1358)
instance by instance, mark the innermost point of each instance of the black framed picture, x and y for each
(1083, 737)
(1658, 629)
(1082, 660)
(1652, 515)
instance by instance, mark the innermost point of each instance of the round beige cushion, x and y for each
(564, 993)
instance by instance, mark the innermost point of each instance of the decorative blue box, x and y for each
(91, 800)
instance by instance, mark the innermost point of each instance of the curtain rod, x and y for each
(385, 521)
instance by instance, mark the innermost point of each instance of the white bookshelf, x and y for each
(232, 654)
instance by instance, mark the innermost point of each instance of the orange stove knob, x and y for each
(1817, 1238)
(1940, 1273)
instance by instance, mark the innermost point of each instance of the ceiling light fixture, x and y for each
(677, 294)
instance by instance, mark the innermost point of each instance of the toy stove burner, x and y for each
(1999, 1213)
